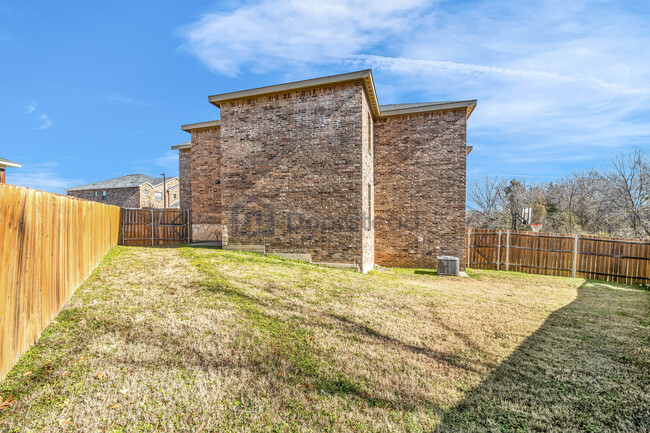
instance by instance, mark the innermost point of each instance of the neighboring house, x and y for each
(4, 163)
(318, 170)
(130, 191)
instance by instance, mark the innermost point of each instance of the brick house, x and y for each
(317, 170)
(131, 191)
(4, 163)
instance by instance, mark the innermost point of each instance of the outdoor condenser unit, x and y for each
(448, 265)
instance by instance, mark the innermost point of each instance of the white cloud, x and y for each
(276, 33)
(570, 77)
(47, 122)
(169, 162)
(42, 176)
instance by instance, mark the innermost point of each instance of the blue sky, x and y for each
(93, 90)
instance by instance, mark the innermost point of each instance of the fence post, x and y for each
(187, 222)
(152, 228)
(469, 245)
(507, 250)
(123, 240)
(575, 256)
(499, 253)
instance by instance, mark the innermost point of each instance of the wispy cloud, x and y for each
(276, 33)
(42, 176)
(169, 161)
(549, 75)
(114, 97)
(46, 122)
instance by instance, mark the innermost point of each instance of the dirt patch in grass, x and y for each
(184, 339)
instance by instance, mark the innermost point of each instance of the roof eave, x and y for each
(182, 146)
(201, 125)
(469, 105)
(9, 164)
(364, 76)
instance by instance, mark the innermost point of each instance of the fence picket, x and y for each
(621, 260)
(49, 245)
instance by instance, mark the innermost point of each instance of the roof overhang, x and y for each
(186, 145)
(364, 76)
(200, 125)
(437, 106)
(4, 164)
(468, 149)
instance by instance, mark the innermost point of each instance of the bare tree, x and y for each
(614, 202)
(629, 190)
(574, 203)
(487, 196)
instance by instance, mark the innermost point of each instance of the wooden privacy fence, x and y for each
(620, 260)
(142, 227)
(49, 245)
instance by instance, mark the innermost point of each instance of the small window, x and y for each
(174, 196)
(95, 193)
(146, 192)
(158, 196)
(103, 195)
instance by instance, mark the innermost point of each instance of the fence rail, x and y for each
(49, 244)
(142, 227)
(621, 260)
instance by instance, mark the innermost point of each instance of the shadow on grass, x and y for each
(425, 272)
(582, 370)
(358, 329)
(289, 344)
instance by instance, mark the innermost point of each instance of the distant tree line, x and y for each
(614, 201)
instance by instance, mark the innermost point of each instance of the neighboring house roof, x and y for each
(128, 181)
(175, 204)
(7, 163)
(173, 187)
(159, 180)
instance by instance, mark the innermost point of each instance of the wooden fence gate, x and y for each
(141, 227)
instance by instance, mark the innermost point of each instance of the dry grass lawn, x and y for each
(188, 340)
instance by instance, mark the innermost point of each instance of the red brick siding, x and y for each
(185, 175)
(206, 169)
(301, 154)
(420, 177)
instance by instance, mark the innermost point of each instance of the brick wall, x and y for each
(292, 172)
(147, 199)
(420, 188)
(185, 175)
(205, 157)
(367, 189)
(122, 197)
